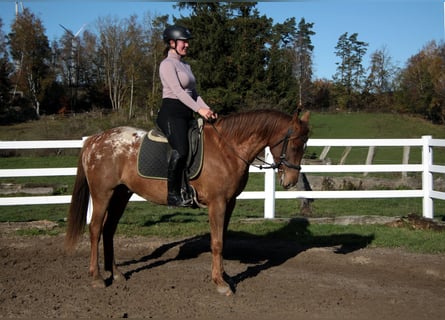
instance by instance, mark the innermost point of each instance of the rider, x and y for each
(179, 100)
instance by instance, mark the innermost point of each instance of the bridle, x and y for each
(282, 158)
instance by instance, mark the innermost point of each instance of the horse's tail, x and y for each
(78, 208)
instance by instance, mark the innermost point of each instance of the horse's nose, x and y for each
(288, 184)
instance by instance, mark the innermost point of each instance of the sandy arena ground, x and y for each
(169, 279)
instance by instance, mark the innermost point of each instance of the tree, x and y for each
(380, 81)
(350, 72)
(93, 74)
(236, 56)
(322, 90)
(133, 58)
(211, 53)
(70, 63)
(303, 49)
(119, 47)
(5, 70)
(154, 47)
(381, 72)
(280, 78)
(422, 83)
(30, 51)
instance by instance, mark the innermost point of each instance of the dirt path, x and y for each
(171, 280)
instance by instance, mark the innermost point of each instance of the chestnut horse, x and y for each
(107, 171)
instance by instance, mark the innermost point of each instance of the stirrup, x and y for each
(187, 194)
(178, 201)
(194, 198)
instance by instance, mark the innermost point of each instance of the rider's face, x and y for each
(181, 46)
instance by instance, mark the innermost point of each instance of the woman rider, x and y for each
(179, 100)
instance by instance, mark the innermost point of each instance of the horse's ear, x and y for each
(304, 118)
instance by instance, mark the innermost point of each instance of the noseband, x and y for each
(283, 160)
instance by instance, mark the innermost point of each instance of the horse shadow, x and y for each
(258, 253)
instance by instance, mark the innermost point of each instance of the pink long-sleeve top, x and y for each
(178, 82)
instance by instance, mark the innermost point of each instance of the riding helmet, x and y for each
(176, 33)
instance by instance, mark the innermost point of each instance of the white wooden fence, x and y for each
(426, 168)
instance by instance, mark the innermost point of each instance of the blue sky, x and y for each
(403, 27)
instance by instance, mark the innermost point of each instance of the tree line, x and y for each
(242, 60)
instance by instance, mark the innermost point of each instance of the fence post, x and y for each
(405, 160)
(369, 157)
(427, 177)
(269, 187)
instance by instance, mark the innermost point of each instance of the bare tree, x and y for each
(153, 28)
(31, 53)
(381, 72)
(121, 46)
(5, 69)
(70, 58)
(111, 47)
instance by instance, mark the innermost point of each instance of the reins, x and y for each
(266, 165)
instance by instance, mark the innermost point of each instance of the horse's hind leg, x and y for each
(100, 204)
(116, 208)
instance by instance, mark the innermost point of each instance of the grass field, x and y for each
(147, 219)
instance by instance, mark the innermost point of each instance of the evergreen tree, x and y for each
(240, 58)
(280, 79)
(212, 53)
(303, 61)
(350, 71)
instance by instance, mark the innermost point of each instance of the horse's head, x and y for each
(289, 150)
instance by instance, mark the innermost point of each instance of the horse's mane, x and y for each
(241, 126)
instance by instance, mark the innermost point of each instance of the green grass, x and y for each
(143, 218)
(373, 126)
(146, 219)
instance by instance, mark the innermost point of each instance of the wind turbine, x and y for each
(17, 8)
(71, 33)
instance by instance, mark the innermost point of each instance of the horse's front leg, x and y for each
(217, 229)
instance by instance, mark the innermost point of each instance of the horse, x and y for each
(107, 173)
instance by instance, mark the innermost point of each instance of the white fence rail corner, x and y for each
(427, 168)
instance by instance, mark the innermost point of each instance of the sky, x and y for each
(401, 27)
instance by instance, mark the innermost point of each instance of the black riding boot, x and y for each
(175, 173)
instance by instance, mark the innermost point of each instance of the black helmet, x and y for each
(176, 33)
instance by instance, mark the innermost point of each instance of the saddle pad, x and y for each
(153, 159)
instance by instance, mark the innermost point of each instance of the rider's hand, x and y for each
(207, 114)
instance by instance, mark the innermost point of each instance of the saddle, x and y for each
(154, 153)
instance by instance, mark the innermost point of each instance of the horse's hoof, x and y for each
(98, 283)
(225, 290)
(118, 277)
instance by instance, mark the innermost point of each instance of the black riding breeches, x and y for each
(174, 120)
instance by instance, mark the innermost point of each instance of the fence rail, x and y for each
(426, 167)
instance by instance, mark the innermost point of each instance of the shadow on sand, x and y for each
(258, 252)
